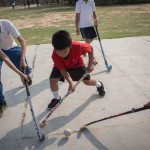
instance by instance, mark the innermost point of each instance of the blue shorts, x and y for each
(88, 32)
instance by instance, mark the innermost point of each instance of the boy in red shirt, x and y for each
(69, 65)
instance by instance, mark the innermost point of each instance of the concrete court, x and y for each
(126, 86)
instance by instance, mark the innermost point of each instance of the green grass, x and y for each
(37, 25)
(124, 21)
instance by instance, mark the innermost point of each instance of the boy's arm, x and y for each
(90, 66)
(66, 76)
(77, 18)
(16, 34)
(94, 15)
(77, 23)
(11, 65)
(23, 51)
(95, 19)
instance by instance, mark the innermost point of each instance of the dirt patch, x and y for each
(54, 19)
(46, 21)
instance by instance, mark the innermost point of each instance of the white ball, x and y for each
(67, 132)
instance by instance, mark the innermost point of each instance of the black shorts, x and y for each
(75, 73)
(88, 32)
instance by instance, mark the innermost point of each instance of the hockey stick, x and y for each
(39, 134)
(109, 67)
(24, 113)
(121, 114)
(44, 122)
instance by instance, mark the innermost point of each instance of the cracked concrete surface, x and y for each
(127, 86)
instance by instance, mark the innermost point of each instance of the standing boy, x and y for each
(86, 19)
(13, 5)
(15, 53)
(69, 65)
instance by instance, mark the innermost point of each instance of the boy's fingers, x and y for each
(27, 79)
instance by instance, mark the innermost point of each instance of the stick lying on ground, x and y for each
(146, 106)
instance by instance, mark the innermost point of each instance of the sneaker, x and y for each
(101, 90)
(1, 112)
(53, 103)
(3, 105)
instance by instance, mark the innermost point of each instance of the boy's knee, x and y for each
(53, 81)
(86, 82)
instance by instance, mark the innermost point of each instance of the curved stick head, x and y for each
(42, 138)
(109, 67)
(43, 124)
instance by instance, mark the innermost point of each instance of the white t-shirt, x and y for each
(86, 12)
(7, 32)
(13, 3)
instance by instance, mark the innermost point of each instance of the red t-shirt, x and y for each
(74, 59)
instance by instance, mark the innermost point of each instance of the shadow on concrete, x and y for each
(63, 141)
(29, 139)
(9, 141)
(94, 141)
(18, 95)
(91, 138)
(61, 121)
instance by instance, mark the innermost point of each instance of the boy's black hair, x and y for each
(61, 40)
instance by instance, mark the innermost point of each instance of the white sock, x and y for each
(56, 95)
(98, 84)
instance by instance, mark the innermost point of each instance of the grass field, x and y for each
(38, 24)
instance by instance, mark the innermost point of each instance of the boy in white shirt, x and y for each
(15, 53)
(13, 5)
(86, 19)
